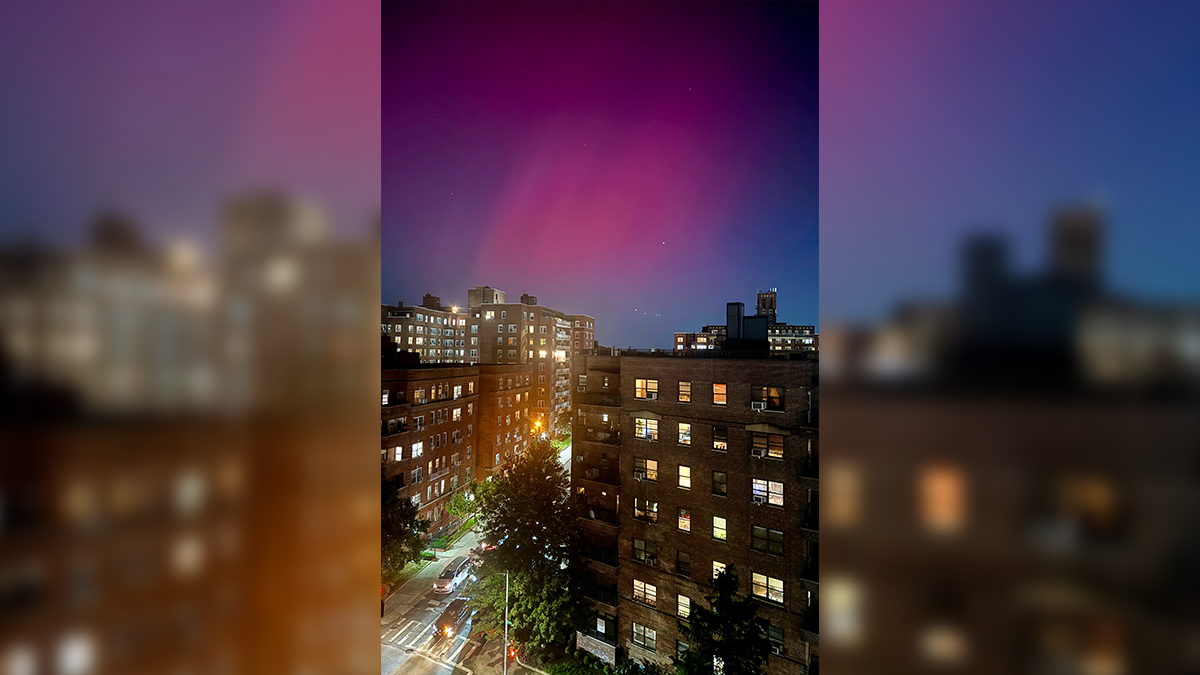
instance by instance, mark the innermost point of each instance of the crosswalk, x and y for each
(408, 634)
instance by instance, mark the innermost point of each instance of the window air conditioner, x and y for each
(652, 560)
(758, 499)
(777, 649)
(756, 452)
(639, 474)
(758, 405)
(653, 396)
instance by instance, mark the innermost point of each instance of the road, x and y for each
(406, 637)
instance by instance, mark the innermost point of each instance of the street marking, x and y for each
(459, 649)
(418, 637)
(402, 631)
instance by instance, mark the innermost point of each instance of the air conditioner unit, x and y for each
(756, 452)
(652, 560)
(638, 474)
(777, 649)
(653, 396)
(758, 405)
(758, 499)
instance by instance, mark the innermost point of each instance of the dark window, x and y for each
(720, 438)
(683, 564)
(719, 483)
(645, 552)
(768, 540)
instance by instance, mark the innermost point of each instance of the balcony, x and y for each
(602, 555)
(606, 476)
(395, 398)
(596, 513)
(607, 596)
(810, 466)
(611, 401)
(812, 518)
(385, 430)
(439, 473)
(607, 437)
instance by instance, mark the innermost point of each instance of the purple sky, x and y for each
(941, 117)
(644, 163)
(162, 110)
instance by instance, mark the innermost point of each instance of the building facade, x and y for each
(783, 337)
(686, 466)
(438, 334)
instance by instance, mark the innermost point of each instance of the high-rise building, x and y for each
(687, 466)
(437, 334)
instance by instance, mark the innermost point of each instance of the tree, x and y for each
(561, 424)
(728, 632)
(463, 503)
(528, 511)
(402, 533)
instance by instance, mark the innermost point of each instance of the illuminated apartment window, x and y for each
(685, 392)
(645, 637)
(768, 445)
(720, 438)
(943, 496)
(645, 389)
(718, 394)
(685, 520)
(719, 531)
(645, 510)
(685, 477)
(767, 491)
(685, 433)
(418, 448)
(645, 593)
(645, 469)
(718, 567)
(842, 495)
(771, 397)
(842, 615)
(471, 384)
(456, 415)
(385, 396)
(646, 428)
(489, 314)
(767, 587)
(683, 606)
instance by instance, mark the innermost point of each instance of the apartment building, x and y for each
(686, 466)
(783, 337)
(504, 415)
(527, 333)
(437, 334)
(428, 417)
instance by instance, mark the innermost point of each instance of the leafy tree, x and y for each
(729, 630)
(463, 503)
(528, 511)
(402, 536)
(528, 507)
(561, 425)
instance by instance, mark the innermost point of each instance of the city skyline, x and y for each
(609, 165)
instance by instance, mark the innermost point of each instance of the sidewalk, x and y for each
(417, 587)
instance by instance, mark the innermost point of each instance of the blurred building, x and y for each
(689, 461)
(437, 334)
(1016, 477)
(783, 337)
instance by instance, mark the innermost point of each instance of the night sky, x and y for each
(163, 110)
(939, 117)
(644, 163)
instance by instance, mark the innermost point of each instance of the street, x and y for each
(406, 638)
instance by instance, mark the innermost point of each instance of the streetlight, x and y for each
(474, 578)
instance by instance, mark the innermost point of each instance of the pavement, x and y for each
(418, 587)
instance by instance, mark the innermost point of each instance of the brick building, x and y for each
(438, 334)
(504, 415)
(689, 464)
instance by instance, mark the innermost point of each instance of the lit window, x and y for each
(770, 397)
(768, 445)
(457, 414)
(683, 606)
(767, 587)
(685, 520)
(489, 314)
(720, 438)
(719, 531)
(385, 396)
(942, 499)
(685, 391)
(718, 567)
(645, 510)
(399, 452)
(685, 476)
(718, 394)
(645, 469)
(685, 433)
(418, 448)
(769, 492)
(645, 389)
(646, 428)
(644, 593)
